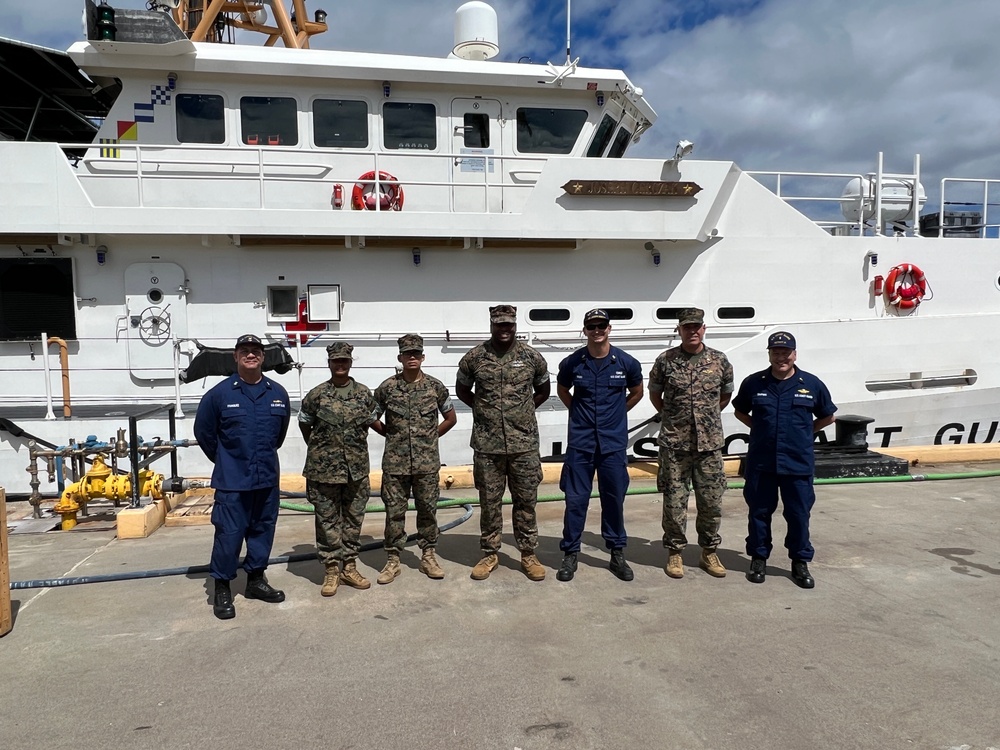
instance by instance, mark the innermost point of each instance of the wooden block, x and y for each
(139, 523)
(6, 616)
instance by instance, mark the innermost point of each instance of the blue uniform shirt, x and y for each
(782, 414)
(597, 416)
(240, 428)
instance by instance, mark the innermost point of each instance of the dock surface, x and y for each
(898, 646)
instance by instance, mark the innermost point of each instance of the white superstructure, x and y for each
(232, 187)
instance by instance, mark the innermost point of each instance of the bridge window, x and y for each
(268, 121)
(602, 137)
(200, 118)
(408, 125)
(36, 296)
(340, 123)
(622, 139)
(548, 131)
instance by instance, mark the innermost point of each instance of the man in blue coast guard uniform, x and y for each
(784, 407)
(240, 425)
(598, 384)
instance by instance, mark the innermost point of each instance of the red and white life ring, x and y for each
(905, 286)
(390, 193)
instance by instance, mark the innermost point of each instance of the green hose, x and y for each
(454, 502)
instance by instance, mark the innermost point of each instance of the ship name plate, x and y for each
(631, 187)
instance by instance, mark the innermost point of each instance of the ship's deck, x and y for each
(895, 647)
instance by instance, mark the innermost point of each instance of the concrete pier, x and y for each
(898, 646)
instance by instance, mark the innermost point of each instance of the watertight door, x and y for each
(477, 178)
(155, 314)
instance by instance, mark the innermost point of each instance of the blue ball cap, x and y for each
(248, 339)
(781, 339)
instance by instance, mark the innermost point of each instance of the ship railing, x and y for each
(983, 189)
(495, 172)
(803, 198)
(872, 202)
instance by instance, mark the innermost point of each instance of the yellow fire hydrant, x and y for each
(100, 482)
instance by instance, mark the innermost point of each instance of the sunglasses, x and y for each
(597, 327)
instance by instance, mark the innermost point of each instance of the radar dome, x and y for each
(858, 199)
(476, 35)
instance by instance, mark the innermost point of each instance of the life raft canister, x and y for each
(389, 197)
(905, 286)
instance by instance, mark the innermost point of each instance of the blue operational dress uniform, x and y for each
(598, 439)
(240, 428)
(780, 456)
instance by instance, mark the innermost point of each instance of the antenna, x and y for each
(569, 4)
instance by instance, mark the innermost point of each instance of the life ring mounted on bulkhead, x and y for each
(390, 193)
(905, 286)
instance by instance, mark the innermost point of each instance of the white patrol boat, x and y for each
(187, 191)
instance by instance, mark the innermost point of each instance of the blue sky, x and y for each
(806, 85)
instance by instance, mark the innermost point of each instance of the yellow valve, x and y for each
(67, 507)
(100, 482)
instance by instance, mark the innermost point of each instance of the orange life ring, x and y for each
(390, 196)
(905, 286)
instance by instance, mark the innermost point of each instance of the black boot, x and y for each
(259, 588)
(801, 575)
(568, 568)
(758, 570)
(619, 567)
(223, 603)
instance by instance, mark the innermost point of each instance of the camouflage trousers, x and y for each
(340, 510)
(680, 471)
(396, 490)
(522, 473)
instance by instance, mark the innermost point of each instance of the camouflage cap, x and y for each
(781, 340)
(339, 350)
(248, 339)
(503, 314)
(691, 315)
(411, 342)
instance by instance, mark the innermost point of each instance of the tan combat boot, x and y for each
(484, 567)
(391, 570)
(429, 565)
(710, 564)
(675, 564)
(352, 576)
(531, 567)
(331, 580)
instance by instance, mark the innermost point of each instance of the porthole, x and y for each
(155, 296)
(669, 314)
(619, 313)
(548, 315)
(735, 313)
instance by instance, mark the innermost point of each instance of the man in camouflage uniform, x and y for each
(334, 420)
(689, 386)
(511, 380)
(411, 401)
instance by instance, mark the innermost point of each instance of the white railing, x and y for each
(232, 163)
(984, 226)
(868, 203)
